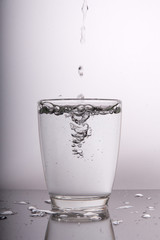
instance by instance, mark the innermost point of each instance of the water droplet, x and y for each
(146, 215)
(117, 222)
(135, 212)
(3, 217)
(63, 216)
(8, 212)
(89, 214)
(40, 214)
(48, 211)
(126, 202)
(124, 207)
(22, 203)
(149, 198)
(84, 10)
(80, 71)
(84, 7)
(31, 207)
(151, 208)
(34, 211)
(95, 218)
(48, 200)
(138, 195)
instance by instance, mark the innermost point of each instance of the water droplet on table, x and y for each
(95, 218)
(48, 201)
(151, 208)
(8, 212)
(117, 222)
(40, 214)
(124, 207)
(22, 202)
(3, 217)
(31, 207)
(138, 195)
(63, 216)
(89, 214)
(149, 198)
(146, 215)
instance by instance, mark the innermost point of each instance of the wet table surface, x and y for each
(131, 217)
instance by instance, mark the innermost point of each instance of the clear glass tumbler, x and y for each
(79, 141)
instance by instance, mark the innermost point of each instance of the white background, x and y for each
(40, 54)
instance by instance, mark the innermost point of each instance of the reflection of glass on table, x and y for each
(61, 230)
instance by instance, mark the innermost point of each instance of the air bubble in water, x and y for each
(79, 114)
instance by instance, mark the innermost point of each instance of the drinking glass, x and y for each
(79, 141)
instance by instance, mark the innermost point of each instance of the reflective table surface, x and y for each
(132, 215)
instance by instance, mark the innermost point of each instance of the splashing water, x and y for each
(79, 114)
(84, 10)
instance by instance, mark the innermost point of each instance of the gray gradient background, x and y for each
(40, 53)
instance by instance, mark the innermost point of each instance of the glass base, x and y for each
(79, 208)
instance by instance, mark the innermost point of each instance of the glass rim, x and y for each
(80, 100)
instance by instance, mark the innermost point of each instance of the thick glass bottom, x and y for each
(79, 208)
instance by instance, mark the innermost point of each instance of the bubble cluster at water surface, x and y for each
(79, 114)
